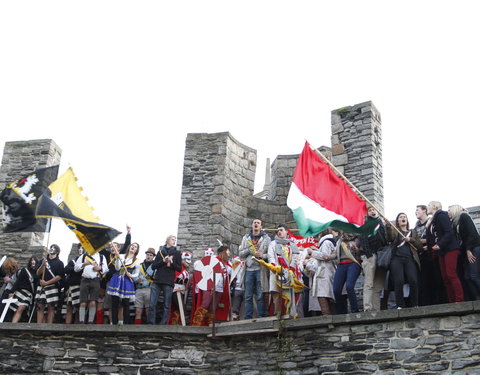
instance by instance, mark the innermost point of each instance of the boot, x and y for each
(199, 316)
(209, 319)
(99, 318)
(324, 305)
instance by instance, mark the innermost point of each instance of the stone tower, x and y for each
(218, 179)
(19, 159)
(218, 182)
(357, 148)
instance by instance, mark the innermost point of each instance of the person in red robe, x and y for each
(205, 310)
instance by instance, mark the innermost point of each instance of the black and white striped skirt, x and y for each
(48, 295)
(24, 297)
(72, 298)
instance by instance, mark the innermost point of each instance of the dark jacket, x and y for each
(440, 233)
(467, 232)
(369, 245)
(23, 281)
(72, 277)
(164, 274)
(415, 244)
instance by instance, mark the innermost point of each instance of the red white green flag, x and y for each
(320, 199)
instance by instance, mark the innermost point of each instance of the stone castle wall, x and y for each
(19, 159)
(430, 340)
(218, 180)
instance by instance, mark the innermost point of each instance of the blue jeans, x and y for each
(346, 274)
(253, 286)
(167, 291)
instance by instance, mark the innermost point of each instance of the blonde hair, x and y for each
(169, 237)
(436, 204)
(455, 209)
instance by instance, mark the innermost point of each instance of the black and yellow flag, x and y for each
(64, 199)
(20, 200)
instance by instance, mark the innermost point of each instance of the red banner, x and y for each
(302, 241)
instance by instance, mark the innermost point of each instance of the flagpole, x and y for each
(49, 227)
(359, 193)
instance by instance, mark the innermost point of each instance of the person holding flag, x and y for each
(374, 279)
(282, 255)
(50, 272)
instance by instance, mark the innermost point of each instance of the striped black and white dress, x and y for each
(49, 295)
(23, 288)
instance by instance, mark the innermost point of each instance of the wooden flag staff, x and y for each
(359, 193)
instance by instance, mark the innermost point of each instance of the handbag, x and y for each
(384, 257)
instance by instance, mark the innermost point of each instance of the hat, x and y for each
(150, 250)
(209, 252)
(187, 257)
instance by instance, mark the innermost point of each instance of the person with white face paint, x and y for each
(51, 272)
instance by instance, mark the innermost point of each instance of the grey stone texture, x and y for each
(436, 339)
(357, 148)
(19, 159)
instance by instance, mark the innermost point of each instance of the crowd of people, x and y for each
(437, 261)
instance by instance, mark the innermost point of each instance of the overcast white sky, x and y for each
(118, 85)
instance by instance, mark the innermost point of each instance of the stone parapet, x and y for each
(434, 339)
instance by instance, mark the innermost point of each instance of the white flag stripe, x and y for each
(311, 209)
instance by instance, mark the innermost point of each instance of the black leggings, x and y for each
(403, 268)
(126, 309)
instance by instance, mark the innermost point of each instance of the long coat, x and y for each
(322, 282)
